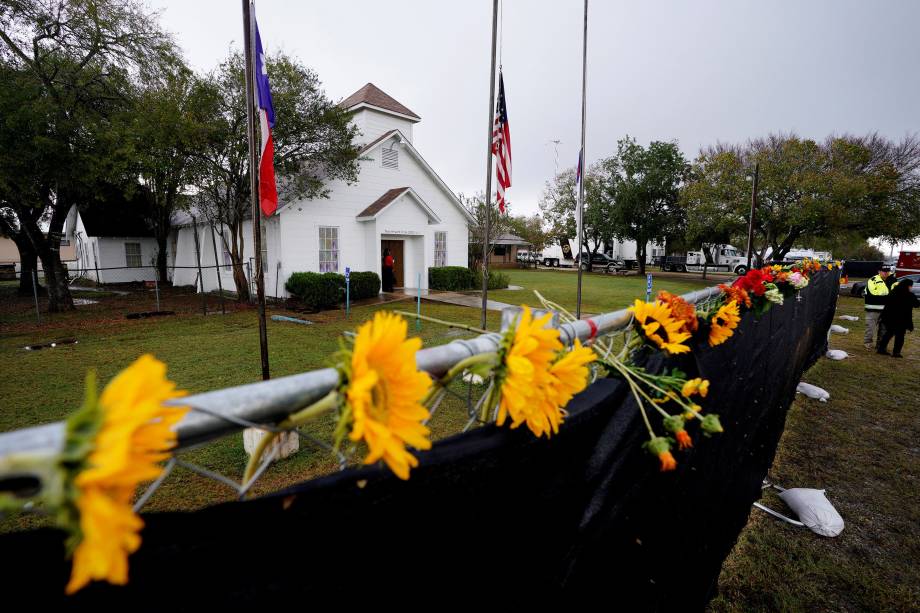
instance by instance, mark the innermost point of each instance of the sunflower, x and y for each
(680, 310)
(132, 431)
(660, 327)
(526, 355)
(385, 391)
(723, 323)
(568, 376)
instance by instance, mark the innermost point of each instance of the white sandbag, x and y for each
(837, 354)
(813, 391)
(849, 317)
(839, 329)
(814, 510)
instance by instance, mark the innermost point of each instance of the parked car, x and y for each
(602, 261)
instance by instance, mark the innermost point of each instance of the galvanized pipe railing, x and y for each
(225, 411)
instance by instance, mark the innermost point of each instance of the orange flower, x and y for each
(667, 461)
(738, 294)
(683, 440)
(681, 310)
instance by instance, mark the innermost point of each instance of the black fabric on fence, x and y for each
(493, 513)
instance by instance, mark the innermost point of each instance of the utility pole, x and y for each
(580, 212)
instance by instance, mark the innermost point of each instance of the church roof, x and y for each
(372, 95)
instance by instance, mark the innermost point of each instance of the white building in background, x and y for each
(399, 202)
(112, 242)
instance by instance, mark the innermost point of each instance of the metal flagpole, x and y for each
(249, 40)
(488, 196)
(581, 185)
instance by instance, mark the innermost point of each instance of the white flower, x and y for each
(774, 295)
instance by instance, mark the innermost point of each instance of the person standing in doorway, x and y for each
(897, 317)
(389, 278)
(877, 290)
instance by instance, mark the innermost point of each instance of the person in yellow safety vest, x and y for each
(877, 290)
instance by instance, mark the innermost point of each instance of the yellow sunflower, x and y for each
(528, 352)
(723, 323)
(385, 391)
(568, 376)
(660, 327)
(134, 435)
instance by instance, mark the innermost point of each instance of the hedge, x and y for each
(497, 280)
(364, 285)
(317, 291)
(326, 290)
(451, 278)
(459, 278)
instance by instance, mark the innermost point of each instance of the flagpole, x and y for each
(249, 43)
(581, 185)
(488, 197)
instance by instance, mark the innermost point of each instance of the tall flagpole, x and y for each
(488, 198)
(581, 185)
(249, 43)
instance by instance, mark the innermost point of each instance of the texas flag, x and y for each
(268, 191)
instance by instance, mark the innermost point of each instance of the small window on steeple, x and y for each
(390, 157)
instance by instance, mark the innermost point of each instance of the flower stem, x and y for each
(459, 367)
(324, 404)
(443, 322)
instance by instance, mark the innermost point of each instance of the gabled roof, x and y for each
(373, 97)
(389, 197)
(115, 215)
(425, 166)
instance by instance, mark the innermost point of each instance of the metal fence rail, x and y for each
(221, 412)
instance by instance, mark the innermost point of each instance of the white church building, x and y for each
(399, 202)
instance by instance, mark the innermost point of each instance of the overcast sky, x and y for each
(693, 71)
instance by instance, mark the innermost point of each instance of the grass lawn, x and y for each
(862, 447)
(600, 293)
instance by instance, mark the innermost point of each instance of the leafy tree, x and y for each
(313, 139)
(560, 200)
(530, 228)
(861, 187)
(499, 223)
(642, 189)
(78, 57)
(160, 133)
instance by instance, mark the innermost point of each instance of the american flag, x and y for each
(501, 145)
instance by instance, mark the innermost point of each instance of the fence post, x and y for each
(220, 284)
(156, 285)
(249, 278)
(38, 316)
(96, 265)
(204, 298)
(418, 304)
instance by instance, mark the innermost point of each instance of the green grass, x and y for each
(600, 293)
(862, 447)
(202, 353)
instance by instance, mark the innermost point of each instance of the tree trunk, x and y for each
(48, 248)
(28, 265)
(640, 256)
(237, 248)
(161, 257)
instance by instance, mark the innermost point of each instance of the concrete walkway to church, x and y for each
(455, 298)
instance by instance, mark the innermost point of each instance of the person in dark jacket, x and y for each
(897, 317)
(389, 277)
